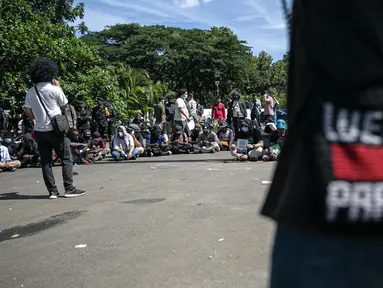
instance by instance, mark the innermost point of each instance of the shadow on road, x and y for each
(155, 160)
(17, 196)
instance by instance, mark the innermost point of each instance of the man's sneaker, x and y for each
(75, 193)
(12, 169)
(1, 170)
(53, 196)
(75, 173)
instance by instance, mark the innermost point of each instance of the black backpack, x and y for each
(170, 110)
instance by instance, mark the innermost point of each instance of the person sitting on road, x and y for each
(98, 149)
(208, 141)
(123, 145)
(8, 141)
(195, 133)
(225, 136)
(137, 143)
(6, 164)
(28, 152)
(276, 142)
(249, 145)
(158, 143)
(179, 142)
(79, 148)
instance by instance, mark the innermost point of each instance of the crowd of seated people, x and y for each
(243, 138)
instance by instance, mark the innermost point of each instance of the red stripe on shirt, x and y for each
(357, 162)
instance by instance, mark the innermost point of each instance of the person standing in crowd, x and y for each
(6, 163)
(218, 111)
(70, 113)
(100, 122)
(28, 125)
(170, 112)
(326, 193)
(159, 112)
(4, 121)
(181, 115)
(255, 108)
(43, 73)
(200, 112)
(192, 105)
(239, 112)
(83, 118)
(269, 107)
(28, 153)
(111, 118)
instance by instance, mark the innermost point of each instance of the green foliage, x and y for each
(127, 64)
(26, 36)
(194, 58)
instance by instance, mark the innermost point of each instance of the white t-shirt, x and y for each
(53, 98)
(178, 116)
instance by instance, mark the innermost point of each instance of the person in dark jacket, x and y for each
(100, 121)
(111, 118)
(28, 152)
(83, 118)
(326, 193)
(238, 112)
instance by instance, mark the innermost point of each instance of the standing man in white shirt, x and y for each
(43, 73)
(181, 116)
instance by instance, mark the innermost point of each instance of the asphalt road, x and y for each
(178, 221)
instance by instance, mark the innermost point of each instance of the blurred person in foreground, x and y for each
(329, 206)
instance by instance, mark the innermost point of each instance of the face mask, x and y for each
(206, 131)
(186, 96)
(224, 130)
(99, 103)
(121, 134)
(245, 129)
(8, 140)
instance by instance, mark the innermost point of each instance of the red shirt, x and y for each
(218, 111)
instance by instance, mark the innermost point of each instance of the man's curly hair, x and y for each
(43, 70)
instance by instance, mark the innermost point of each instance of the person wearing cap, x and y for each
(276, 141)
(83, 118)
(158, 143)
(100, 121)
(250, 135)
(28, 152)
(6, 163)
(208, 141)
(179, 142)
(225, 136)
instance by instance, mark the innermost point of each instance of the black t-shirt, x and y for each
(254, 137)
(329, 176)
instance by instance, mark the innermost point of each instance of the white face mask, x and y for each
(245, 129)
(121, 134)
(8, 140)
(186, 96)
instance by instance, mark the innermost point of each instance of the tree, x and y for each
(26, 35)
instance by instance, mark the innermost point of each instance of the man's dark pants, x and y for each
(47, 141)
